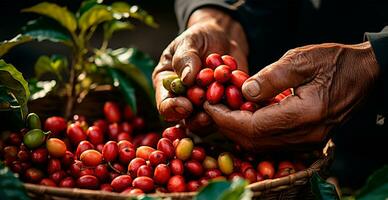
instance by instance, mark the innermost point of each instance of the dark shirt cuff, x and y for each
(379, 42)
(184, 8)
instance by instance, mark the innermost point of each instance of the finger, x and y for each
(292, 70)
(175, 108)
(236, 121)
(186, 61)
(307, 107)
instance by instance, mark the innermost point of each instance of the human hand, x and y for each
(209, 31)
(330, 81)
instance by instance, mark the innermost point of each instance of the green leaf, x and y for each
(86, 5)
(113, 26)
(94, 16)
(213, 190)
(120, 7)
(136, 65)
(376, 186)
(46, 29)
(142, 61)
(13, 80)
(142, 15)
(10, 186)
(236, 190)
(323, 190)
(124, 10)
(60, 14)
(145, 197)
(8, 101)
(6, 45)
(10, 110)
(119, 80)
(56, 65)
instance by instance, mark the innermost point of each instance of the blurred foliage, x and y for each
(78, 74)
(323, 190)
(10, 186)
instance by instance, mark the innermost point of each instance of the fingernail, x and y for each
(252, 88)
(185, 72)
(180, 110)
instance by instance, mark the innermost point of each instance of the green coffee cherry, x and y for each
(177, 86)
(33, 121)
(209, 163)
(34, 138)
(167, 81)
(184, 149)
(225, 163)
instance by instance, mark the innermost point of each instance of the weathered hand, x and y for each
(330, 81)
(210, 31)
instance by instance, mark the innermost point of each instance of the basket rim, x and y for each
(258, 188)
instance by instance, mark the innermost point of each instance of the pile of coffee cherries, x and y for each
(219, 82)
(115, 155)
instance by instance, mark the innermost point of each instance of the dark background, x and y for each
(149, 40)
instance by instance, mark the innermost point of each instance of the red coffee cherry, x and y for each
(87, 182)
(229, 61)
(112, 112)
(162, 174)
(110, 151)
(193, 186)
(222, 74)
(75, 133)
(238, 78)
(144, 183)
(144, 170)
(249, 106)
(198, 154)
(144, 152)
(165, 145)
(95, 135)
(196, 95)
(91, 158)
(121, 182)
(173, 133)
(176, 184)
(214, 93)
(135, 164)
(213, 60)
(266, 169)
(233, 97)
(205, 77)
(176, 167)
(55, 124)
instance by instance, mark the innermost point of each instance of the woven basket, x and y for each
(294, 186)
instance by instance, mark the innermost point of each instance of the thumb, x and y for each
(292, 70)
(186, 62)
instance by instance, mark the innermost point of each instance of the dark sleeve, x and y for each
(184, 8)
(379, 42)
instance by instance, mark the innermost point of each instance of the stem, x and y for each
(104, 45)
(76, 67)
(70, 94)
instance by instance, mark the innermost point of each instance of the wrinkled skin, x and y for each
(208, 31)
(330, 81)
